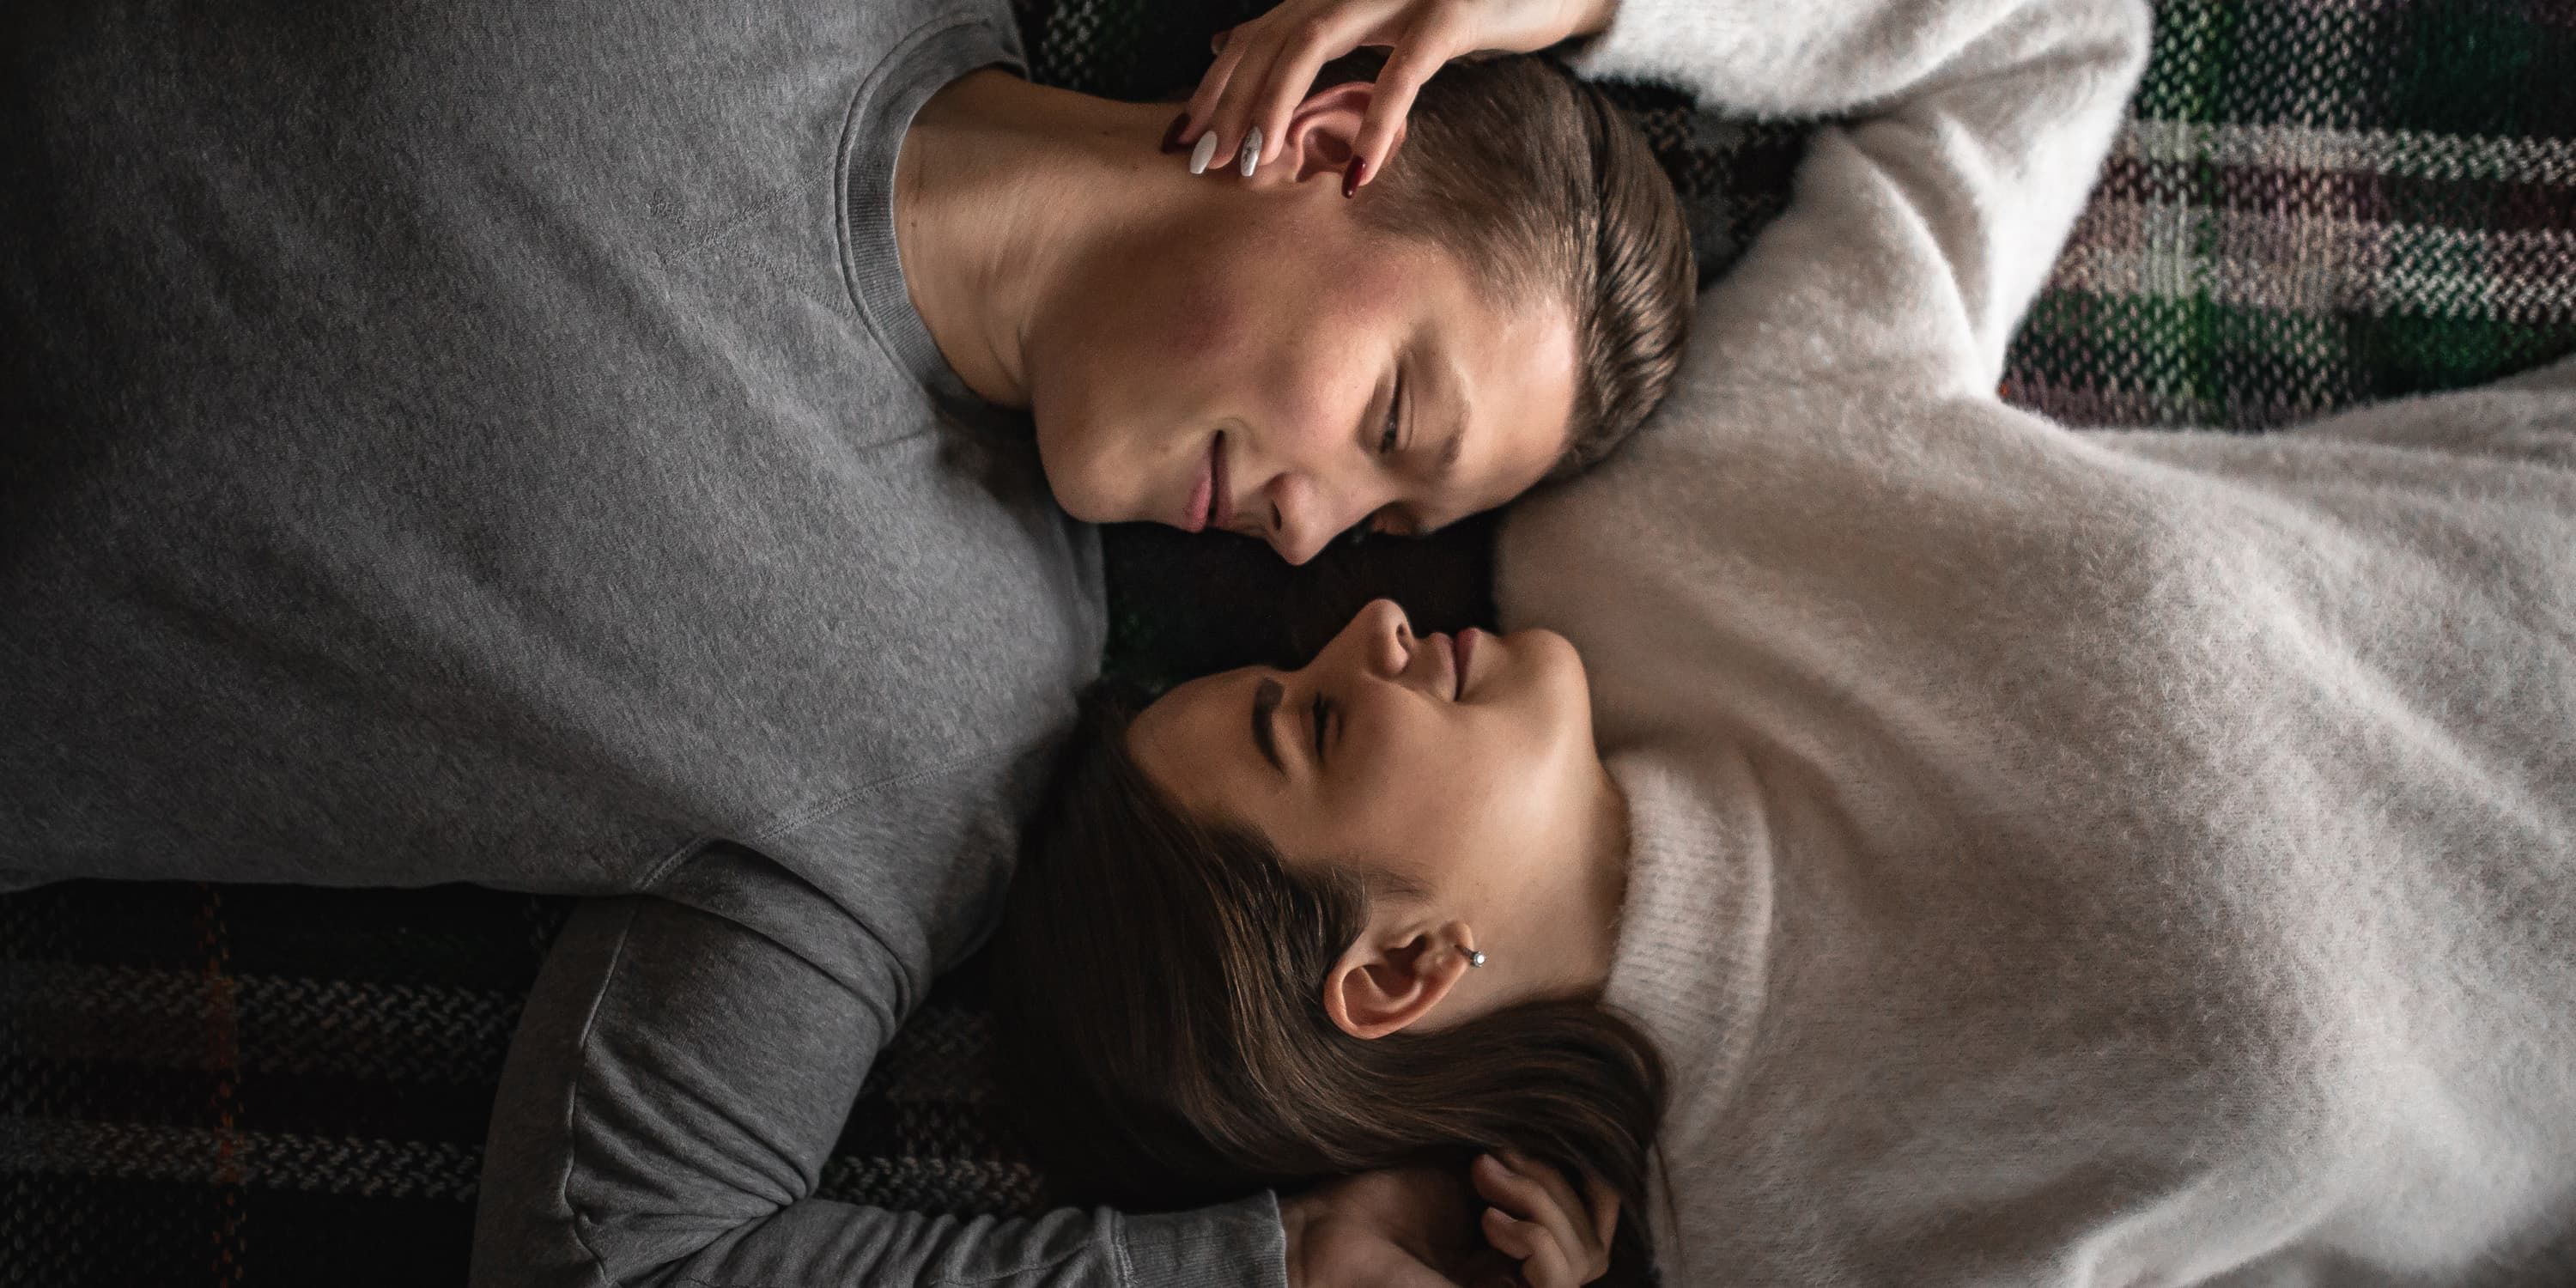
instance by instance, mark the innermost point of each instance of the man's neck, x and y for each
(1001, 186)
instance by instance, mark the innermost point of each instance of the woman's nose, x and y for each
(1379, 640)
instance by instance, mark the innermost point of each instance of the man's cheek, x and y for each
(1209, 323)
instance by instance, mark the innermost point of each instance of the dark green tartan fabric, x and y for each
(2317, 204)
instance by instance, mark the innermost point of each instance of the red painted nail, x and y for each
(1355, 176)
(1172, 136)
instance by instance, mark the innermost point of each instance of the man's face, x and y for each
(1291, 378)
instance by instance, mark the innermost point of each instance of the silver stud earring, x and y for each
(1475, 958)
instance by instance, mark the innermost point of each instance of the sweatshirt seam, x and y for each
(815, 813)
(993, 1276)
(572, 1104)
(1124, 1264)
(573, 1147)
(835, 804)
(1182, 1240)
(844, 218)
(786, 195)
(1043, 1263)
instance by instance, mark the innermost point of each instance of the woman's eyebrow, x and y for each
(1265, 719)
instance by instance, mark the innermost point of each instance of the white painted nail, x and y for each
(1251, 151)
(1203, 153)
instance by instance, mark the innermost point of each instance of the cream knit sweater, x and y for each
(2064, 858)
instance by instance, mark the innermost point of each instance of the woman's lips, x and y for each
(1450, 676)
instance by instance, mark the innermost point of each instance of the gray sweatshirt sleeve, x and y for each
(675, 1086)
(1922, 222)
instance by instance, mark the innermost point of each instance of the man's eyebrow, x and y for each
(1265, 717)
(1450, 451)
(1445, 470)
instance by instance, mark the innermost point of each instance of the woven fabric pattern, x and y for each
(2317, 204)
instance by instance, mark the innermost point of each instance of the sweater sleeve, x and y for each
(1922, 223)
(679, 1078)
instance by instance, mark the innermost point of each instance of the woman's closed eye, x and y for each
(1320, 714)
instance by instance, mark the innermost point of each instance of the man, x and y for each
(576, 448)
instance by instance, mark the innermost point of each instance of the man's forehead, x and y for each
(1516, 385)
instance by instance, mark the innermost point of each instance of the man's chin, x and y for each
(1078, 499)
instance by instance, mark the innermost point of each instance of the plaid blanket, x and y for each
(2317, 203)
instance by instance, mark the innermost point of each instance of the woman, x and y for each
(578, 447)
(2034, 857)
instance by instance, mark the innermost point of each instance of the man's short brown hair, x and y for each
(1549, 193)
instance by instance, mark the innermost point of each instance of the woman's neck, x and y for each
(1602, 887)
(1559, 931)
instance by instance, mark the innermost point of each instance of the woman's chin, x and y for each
(1537, 677)
(1567, 685)
(1550, 654)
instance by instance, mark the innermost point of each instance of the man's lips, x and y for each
(1222, 502)
(1209, 506)
(1466, 646)
(1194, 512)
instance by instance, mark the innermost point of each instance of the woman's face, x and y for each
(1289, 376)
(1450, 766)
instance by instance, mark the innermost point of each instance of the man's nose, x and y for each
(1304, 518)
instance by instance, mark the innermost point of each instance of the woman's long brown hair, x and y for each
(1157, 990)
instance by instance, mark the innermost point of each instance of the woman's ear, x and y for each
(1385, 986)
(1324, 132)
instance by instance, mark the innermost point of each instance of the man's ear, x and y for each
(1383, 986)
(1324, 131)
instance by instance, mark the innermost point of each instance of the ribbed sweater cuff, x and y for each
(1237, 1245)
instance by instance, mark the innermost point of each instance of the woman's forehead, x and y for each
(1194, 741)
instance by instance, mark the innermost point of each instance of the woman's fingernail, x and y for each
(1216, 43)
(1172, 136)
(1203, 153)
(1251, 151)
(1353, 177)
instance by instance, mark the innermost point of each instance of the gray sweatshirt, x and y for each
(2063, 858)
(492, 442)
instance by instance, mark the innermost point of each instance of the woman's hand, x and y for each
(1264, 68)
(1560, 1238)
(1413, 1228)
(1386, 1229)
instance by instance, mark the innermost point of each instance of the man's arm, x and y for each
(1920, 227)
(676, 1084)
